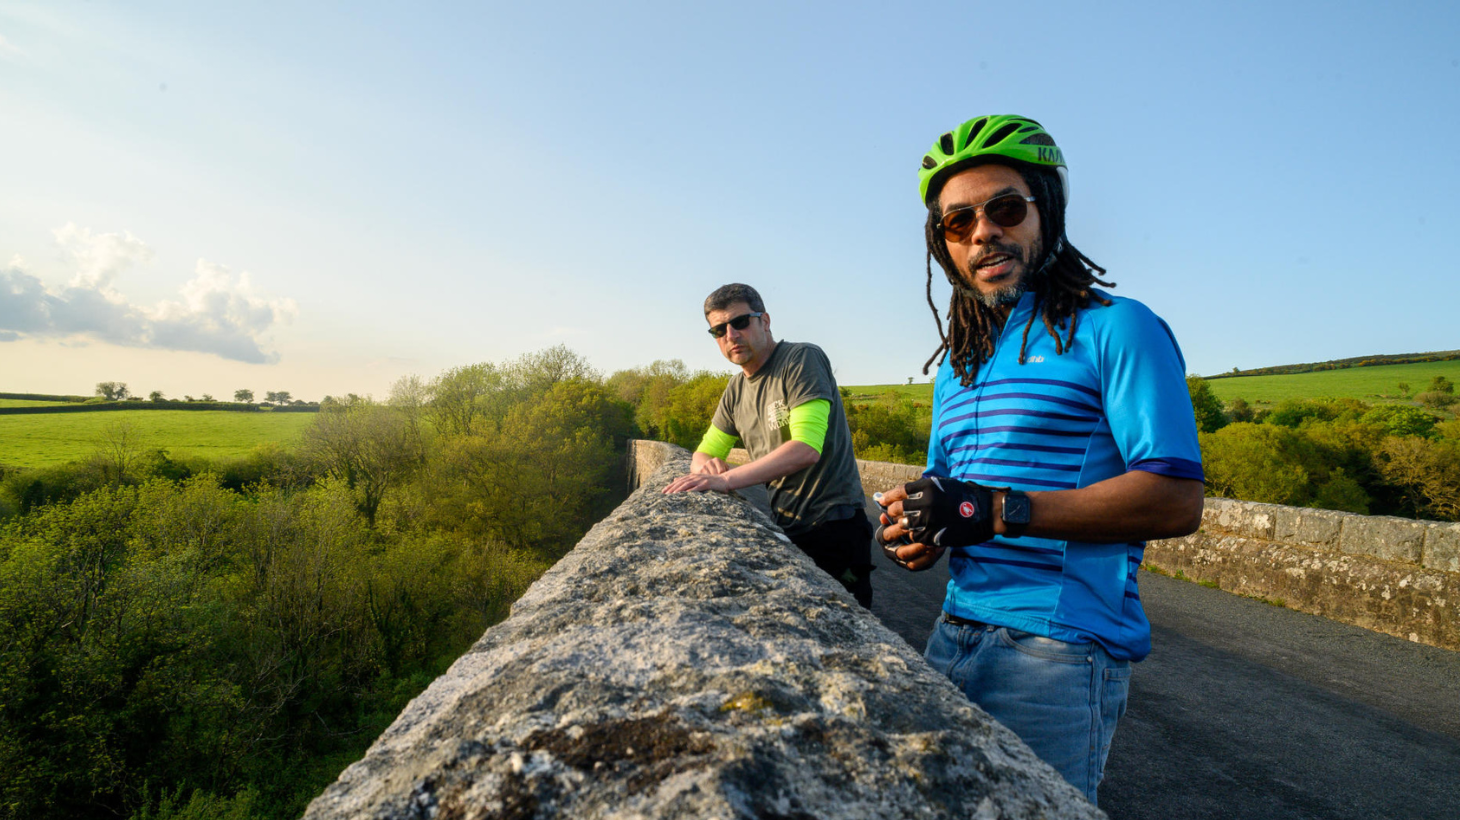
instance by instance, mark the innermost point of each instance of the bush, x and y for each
(893, 428)
(1400, 420)
(1428, 471)
(1239, 410)
(1278, 465)
(1437, 400)
(1296, 412)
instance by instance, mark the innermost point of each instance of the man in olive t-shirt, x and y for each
(785, 407)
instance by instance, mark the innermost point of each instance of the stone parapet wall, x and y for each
(1391, 575)
(685, 660)
(1429, 544)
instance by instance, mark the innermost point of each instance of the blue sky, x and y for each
(324, 197)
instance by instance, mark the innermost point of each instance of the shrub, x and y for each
(1400, 420)
(1436, 399)
(1278, 465)
(1296, 412)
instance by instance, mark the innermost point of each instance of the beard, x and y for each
(1009, 292)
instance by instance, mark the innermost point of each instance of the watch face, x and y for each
(1016, 508)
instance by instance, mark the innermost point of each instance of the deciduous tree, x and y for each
(1206, 405)
(112, 391)
(367, 446)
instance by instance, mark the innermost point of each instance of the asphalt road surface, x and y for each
(1246, 710)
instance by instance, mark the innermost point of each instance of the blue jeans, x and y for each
(1063, 699)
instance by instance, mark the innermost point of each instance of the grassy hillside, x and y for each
(1374, 384)
(1367, 383)
(44, 439)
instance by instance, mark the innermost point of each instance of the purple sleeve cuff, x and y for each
(1170, 467)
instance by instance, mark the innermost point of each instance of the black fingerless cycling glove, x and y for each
(949, 513)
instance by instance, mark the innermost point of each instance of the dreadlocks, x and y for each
(1061, 285)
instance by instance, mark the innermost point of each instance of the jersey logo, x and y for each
(1035, 359)
(966, 509)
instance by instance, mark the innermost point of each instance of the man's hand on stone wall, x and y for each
(694, 483)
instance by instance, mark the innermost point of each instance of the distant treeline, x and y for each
(1340, 364)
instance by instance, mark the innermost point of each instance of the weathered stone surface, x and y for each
(686, 661)
(1442, 547)
(1382, 536)
(1300, 525)
(880, 475)
(1409, 602)
(1245, 518)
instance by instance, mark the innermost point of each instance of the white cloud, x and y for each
(98, 259)
(216, 314)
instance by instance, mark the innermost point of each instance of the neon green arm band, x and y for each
(716, 443)
(808, 423)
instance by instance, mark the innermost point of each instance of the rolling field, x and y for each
(43, 439)
(919, 392)
(1366, 383)
(1372, 384)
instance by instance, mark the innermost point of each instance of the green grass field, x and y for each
(1376, 383)
(917, 392)
(44, 438)
(1373, 384)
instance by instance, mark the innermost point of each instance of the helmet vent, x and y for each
(999, 135)
(946, 143)
(929, 163)
(973, 132)
(1037, 139)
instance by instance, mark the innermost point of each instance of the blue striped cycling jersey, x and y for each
(1115, 401)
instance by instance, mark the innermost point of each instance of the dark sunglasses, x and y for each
(1004, 210)
(740, 322)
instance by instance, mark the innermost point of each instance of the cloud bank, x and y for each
(216, 314)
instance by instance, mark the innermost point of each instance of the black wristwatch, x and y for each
(1015, 513)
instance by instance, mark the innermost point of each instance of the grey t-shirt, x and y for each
(757, 409)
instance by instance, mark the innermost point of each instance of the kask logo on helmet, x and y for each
(1051, 154)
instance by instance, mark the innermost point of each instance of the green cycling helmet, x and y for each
(999, 135)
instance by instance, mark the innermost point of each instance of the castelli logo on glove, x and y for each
(966, 509)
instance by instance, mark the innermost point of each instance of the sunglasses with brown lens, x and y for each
(1004, 210)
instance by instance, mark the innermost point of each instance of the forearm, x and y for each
(1134, 506)
(791, 457)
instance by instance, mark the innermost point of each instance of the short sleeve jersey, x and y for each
(757, 410)
(1115, 401)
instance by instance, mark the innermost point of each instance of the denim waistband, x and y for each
(950, 618)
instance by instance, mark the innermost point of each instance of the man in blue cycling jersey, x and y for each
(1062, 439)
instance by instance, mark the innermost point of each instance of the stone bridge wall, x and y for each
(685, 660)
(1391, 575)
